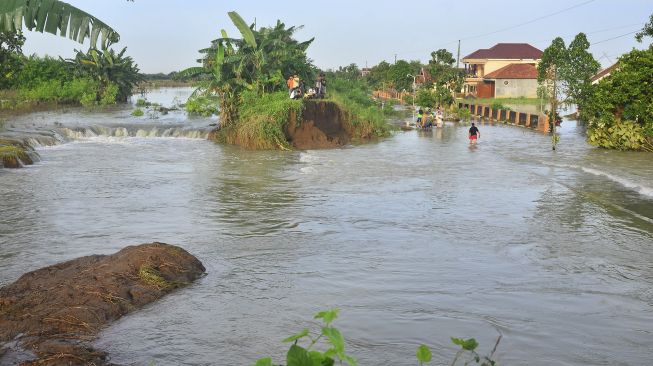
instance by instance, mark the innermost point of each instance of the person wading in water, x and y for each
(474, 134)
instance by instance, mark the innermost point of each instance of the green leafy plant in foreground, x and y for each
(467, 353)
(308, 356)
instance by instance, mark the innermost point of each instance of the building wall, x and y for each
(514, 88)
(485, 89)
(487, 66)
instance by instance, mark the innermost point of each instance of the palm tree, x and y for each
(54, 17)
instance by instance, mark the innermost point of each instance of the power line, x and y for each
(513, 26)
(593, 32)
(610, 39)
(530, 21)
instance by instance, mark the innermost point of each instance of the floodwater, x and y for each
(415, 238)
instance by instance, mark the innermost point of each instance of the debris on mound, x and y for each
(49, 316)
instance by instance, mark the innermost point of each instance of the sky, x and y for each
(164, 35)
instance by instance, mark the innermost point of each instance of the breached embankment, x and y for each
(323, 125)
(17, 145)
(49, 316)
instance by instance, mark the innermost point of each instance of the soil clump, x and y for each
(50, 316)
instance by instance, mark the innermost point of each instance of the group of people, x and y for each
(429, 119)
(297, 89)
(426, 120)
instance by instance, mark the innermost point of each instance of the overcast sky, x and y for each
(164, 35)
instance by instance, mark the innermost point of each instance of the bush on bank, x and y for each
(620, 111)
(365, 118)
(262, 121)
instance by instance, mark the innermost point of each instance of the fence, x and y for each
(539, 122)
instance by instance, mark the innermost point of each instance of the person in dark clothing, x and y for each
(320, 86)
(474, 134)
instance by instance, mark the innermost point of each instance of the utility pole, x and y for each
(458, 57)
(414, 87)
(395, 58)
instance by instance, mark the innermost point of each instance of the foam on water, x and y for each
(641, 189)
(625, 182)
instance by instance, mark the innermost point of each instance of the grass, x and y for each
(262, 121)
(12, 155)
(364, 117)
(152, 276)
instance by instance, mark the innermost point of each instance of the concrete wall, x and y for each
(534, 121)
(514, 88)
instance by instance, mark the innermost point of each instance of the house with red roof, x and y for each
(507, 70)
(604, 73)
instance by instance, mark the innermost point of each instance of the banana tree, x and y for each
(108, 67)
(259, 62)
(54, 17)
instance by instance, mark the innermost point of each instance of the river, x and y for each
(415, 238)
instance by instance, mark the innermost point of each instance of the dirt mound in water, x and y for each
(322, 126)
(49, 316)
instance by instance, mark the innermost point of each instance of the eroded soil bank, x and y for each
(323, 126)
(49, 316)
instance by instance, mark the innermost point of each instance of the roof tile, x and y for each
(514, 71)
(507, 51)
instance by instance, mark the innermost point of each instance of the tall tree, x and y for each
(54, 17)
(578, 71)
(398, 75)
(379, 76)
(647, 31)
(442, 57)
(566, 73)
(445, 77)
(549, 72)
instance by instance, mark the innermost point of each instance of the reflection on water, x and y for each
(416, 238)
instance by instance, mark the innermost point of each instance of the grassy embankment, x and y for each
(262, 120)
(364, 118)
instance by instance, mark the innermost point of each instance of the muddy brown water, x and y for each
(415, 238)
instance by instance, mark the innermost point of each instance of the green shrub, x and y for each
(109, 94)
(498, 105)
(137, 112)
(626, 135)
(365, 118)
(79, 90)
(88, 99)
(262, 121)
(203, 106)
